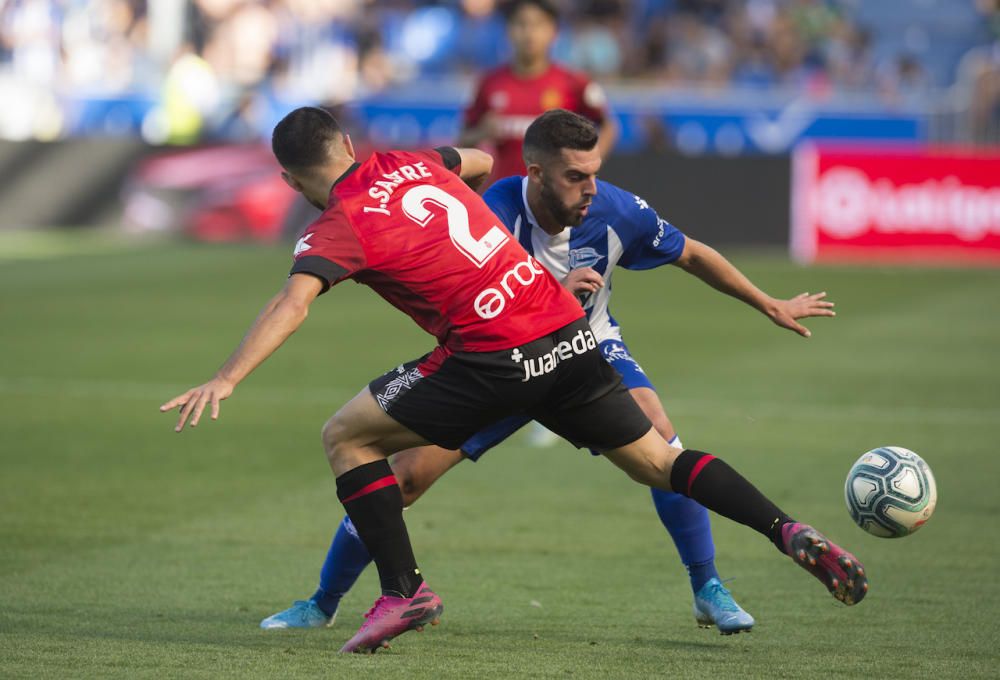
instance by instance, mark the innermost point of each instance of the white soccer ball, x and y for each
(890, 492)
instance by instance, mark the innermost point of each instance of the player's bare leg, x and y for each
(361, 433)
(358, 440)
(416, 471)
(650, 404)
(710, 481)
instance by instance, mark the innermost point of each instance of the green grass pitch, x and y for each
(129, 551)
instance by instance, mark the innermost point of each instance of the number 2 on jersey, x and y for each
(415, 205)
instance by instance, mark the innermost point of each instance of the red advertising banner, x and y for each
(896, 205)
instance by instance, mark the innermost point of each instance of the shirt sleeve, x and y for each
(650, 241)
(447, 156)
(328, 250)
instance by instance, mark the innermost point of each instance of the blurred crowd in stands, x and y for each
(243, 51)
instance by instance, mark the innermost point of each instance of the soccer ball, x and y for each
(890, 492)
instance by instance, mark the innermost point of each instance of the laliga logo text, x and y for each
(848, 203)
(546, 363)
(491, 302)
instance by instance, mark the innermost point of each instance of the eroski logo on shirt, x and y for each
(513, 127)
(302, 246)
(584, 257)
(490, 302)
(581, 343)
(659, 235)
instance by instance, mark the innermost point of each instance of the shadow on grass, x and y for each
(240, 629)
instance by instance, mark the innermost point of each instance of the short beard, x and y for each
(559, 212)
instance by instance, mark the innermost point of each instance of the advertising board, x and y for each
(896, 204)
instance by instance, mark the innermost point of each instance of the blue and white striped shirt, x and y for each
(620, 229)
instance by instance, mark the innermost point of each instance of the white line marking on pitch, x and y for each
(694, 407)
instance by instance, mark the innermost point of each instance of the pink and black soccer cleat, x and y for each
(840, 571)
(392, 616)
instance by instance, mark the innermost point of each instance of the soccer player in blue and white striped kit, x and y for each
(607, 227)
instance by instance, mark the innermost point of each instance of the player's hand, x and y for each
(785, 313)
(583, 281)
(193, 402)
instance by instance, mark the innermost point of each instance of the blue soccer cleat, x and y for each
(713, 604)
(302, 614)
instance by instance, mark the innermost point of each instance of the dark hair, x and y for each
(302, 139)
(558, 129)
(509, 9)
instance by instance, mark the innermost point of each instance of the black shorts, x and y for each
(560, 380)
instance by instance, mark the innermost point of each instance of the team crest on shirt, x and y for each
(584, 257)
(551, 99)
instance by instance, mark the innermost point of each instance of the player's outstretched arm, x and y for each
(711, 267)
(276, 322)
(476, 166)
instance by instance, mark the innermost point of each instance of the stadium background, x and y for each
(131, 131)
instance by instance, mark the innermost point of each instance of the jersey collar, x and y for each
(354, 166)
(531, 216)
(524, 199)
(529, 79)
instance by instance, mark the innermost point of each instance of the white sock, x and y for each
(676, 442)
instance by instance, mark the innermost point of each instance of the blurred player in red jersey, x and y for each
(510, 97)
(510, 340)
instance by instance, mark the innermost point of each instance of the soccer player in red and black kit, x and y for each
(510, 97)
(405, 224)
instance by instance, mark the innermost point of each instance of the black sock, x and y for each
(374, 503)
(721, 489)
